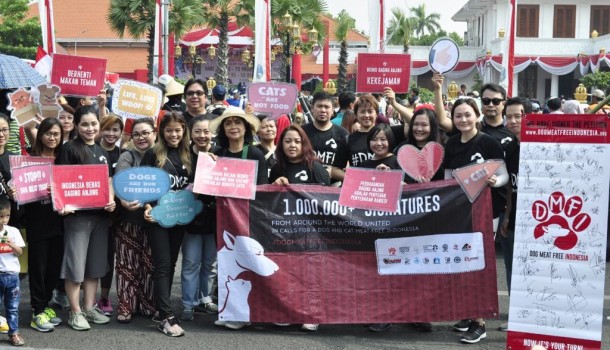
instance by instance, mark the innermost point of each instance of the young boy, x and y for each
(11, 244)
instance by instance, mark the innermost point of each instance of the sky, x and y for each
(360, 12)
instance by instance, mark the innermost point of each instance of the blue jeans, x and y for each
(9, 289)
(198, 269)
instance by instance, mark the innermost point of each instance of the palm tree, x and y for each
(218, 14)
(425, 22)
(400, 29)
(137, 17)
(345, 23)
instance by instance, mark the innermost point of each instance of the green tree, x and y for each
(345, 23)
(400, 29)
(18, 36)
(137, 17)
(429, 39)
(597, 80)
(423, 21)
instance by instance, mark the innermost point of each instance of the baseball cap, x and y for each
(535, 107)
(219, 91)
(598, 93)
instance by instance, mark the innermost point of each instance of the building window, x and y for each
(564, 21)
(600, 19)
(527, 21)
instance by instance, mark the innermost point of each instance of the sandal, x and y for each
(16, 339)
(124, 318)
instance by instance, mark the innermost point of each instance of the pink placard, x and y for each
(80, 76)
(18, 161)
(377, 71)
(473, 178)
(371, 189)
(80, 186)
(226, 177)
(32, 182)
(273, 98)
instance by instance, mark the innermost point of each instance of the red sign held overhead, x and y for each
(377, 71)
(80, 76)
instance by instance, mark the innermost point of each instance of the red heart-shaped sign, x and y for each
(424, 163)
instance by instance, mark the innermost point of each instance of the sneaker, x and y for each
(171, 326)
(78, 322)
(61, 299)
(156, 317)
(474, 334)
(236, 324)
(96, 316)
(207, 308)
(3, 325)
(380, 327)
(503, 327)
(41, 323)
(310, 327)
(220, 323)
(104, 305)
(187, 314)
(462, 326)
(55, 321)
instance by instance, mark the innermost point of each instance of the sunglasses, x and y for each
(495, 101)
(198, 93)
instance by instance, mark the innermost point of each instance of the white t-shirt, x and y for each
(9, 262)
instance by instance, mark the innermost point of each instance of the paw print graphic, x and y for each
(560, 219)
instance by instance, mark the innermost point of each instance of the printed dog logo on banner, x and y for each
(560, 219)
(240, 254)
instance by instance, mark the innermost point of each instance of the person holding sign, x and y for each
(467, 147)
(133, 258)
(171, 154)
(44, 227)
(199, 246)
(85, 232)
(381, 143)
(5, 171)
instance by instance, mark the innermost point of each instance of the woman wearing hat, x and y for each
(235, 133)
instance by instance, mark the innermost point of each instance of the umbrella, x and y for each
(14, 73)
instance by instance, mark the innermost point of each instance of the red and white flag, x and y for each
(44, 63)
(158, 40)
(508, 50)
(377, 25)
(262, 42)
(45, 8)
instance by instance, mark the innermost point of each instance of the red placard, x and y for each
(80, 76)
(379, 70)
(80, 186)
(371, 189)
(577, 128)
(32, 182)
(226, 177)
(473, 178)
(17, 161)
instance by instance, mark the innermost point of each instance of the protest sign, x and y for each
(17, 161)
(473, 178)
(273, 98)
(557, 289)
(377, 71)
(76, 187)
(176, 208)
(22, 106)
(79, 76)
(144, 184)
(371, 189)
(444, 55)
(422, 163)
(47, 100)
(226, 177)
(310, 260)
(32, 182)
(133, 99)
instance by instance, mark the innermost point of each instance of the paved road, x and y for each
(202, 334)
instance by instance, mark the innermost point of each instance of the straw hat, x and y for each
(235, 112)
(172, 87)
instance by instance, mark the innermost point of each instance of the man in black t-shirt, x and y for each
(325, 137)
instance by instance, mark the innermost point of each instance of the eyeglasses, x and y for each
(5, 131)
(52, 134)
(143, 134)
(199, 93)
(495, 101)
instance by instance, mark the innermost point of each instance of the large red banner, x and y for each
(379, 70)
(80, 76)
(295, 255)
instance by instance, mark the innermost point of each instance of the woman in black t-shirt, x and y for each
(380, 140)
(266, 135)
(296, 160)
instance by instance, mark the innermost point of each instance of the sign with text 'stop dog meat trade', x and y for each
(377, 71)
(78, 76)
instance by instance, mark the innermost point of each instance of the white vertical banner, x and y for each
(47, 24)
(158, 42)
(262, 42)
(376, 25)
(557, 290)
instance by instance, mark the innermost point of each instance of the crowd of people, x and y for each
(70, 251)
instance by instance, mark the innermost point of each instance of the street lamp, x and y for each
(193, 58)
(77, 38)
(292, 30)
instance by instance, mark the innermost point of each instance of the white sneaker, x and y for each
(310, 327)
(236, 324)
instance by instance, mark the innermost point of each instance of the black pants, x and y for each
(165, 246)
(44, 263)
(106, 281)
